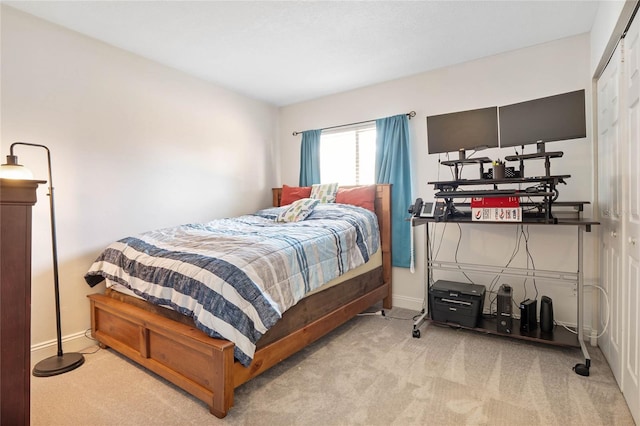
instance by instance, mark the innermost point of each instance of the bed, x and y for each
(171, 345)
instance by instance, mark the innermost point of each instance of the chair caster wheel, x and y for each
(581, 369)
(416, 333)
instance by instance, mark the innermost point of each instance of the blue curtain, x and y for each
(310, 158)
(393, 166)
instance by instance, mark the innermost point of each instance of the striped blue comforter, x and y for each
(235, 277)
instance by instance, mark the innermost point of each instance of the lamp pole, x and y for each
(61, 363)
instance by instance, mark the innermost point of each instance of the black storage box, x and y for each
(509, 173)
(455, 302)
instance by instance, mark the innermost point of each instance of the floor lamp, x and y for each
(60, 363)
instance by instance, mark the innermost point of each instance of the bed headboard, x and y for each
(383, 211)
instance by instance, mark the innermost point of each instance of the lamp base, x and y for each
(55, 365)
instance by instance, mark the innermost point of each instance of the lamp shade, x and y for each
(13, 170)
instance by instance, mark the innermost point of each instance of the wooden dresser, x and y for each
(16, 199)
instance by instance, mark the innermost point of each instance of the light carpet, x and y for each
(370, 371)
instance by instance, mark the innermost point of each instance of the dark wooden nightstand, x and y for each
(16, 200)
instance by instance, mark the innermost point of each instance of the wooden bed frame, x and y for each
(204, 366)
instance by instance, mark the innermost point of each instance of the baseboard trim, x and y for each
(76, 342)
(405, 302)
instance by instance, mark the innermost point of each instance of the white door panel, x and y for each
(609, 202)
(631, 351)
(631, 221)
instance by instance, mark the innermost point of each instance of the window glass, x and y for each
(348, 156)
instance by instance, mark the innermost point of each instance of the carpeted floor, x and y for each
(370, 371)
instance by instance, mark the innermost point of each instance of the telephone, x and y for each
(416, 207)
(428, 209)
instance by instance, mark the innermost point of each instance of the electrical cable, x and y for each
(88, 336)
(566, 327)
(379, 313)
(403, 319)
(606, 325)
(92, 352)
(435, 257)
(533, 265)
(495, 279)
(606, 297)
(427, 278)
(412, 265)
(382, 314)
(456, 253)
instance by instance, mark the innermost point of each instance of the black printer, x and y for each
(458, 303)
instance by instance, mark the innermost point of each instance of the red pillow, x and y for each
(361, 196)
(293, 193)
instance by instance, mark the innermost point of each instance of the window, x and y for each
(348, 156)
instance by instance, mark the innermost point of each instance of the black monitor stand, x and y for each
(540, 153)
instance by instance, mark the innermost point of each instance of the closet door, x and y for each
(609, 205)
(631, 221)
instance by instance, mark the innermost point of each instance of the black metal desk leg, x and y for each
(427, 275)
(581, 369)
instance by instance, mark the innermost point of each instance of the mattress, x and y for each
(374, 262)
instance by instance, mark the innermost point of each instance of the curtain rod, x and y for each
(409, 114)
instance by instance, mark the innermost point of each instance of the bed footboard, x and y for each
(185, 356)
(201, 365)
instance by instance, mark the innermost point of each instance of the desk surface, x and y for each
(525, 221)
(535, 155)
(532, 179)
(479, 160)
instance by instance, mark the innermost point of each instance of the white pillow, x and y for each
(298, 210)
(325, 192)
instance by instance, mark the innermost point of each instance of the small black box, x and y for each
(455, 302)
(528, 312)
(504, 318)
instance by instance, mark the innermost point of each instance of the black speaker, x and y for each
(528, 311)
(504, 318)
(546, 314)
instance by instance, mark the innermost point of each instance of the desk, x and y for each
(543, 187)
(559, 336)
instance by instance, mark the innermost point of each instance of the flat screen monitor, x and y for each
(554, 118)
(468, 130)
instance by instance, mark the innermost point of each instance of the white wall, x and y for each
(134, 146)
(520, 75)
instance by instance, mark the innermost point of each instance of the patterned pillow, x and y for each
(298, 210)
(325, 192)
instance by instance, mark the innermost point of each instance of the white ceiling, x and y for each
(285, 52)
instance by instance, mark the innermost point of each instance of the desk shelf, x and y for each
(480, 161)
(554, 179)
(529, 219)
(545, 190)
(547, 156)
(558, 337)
